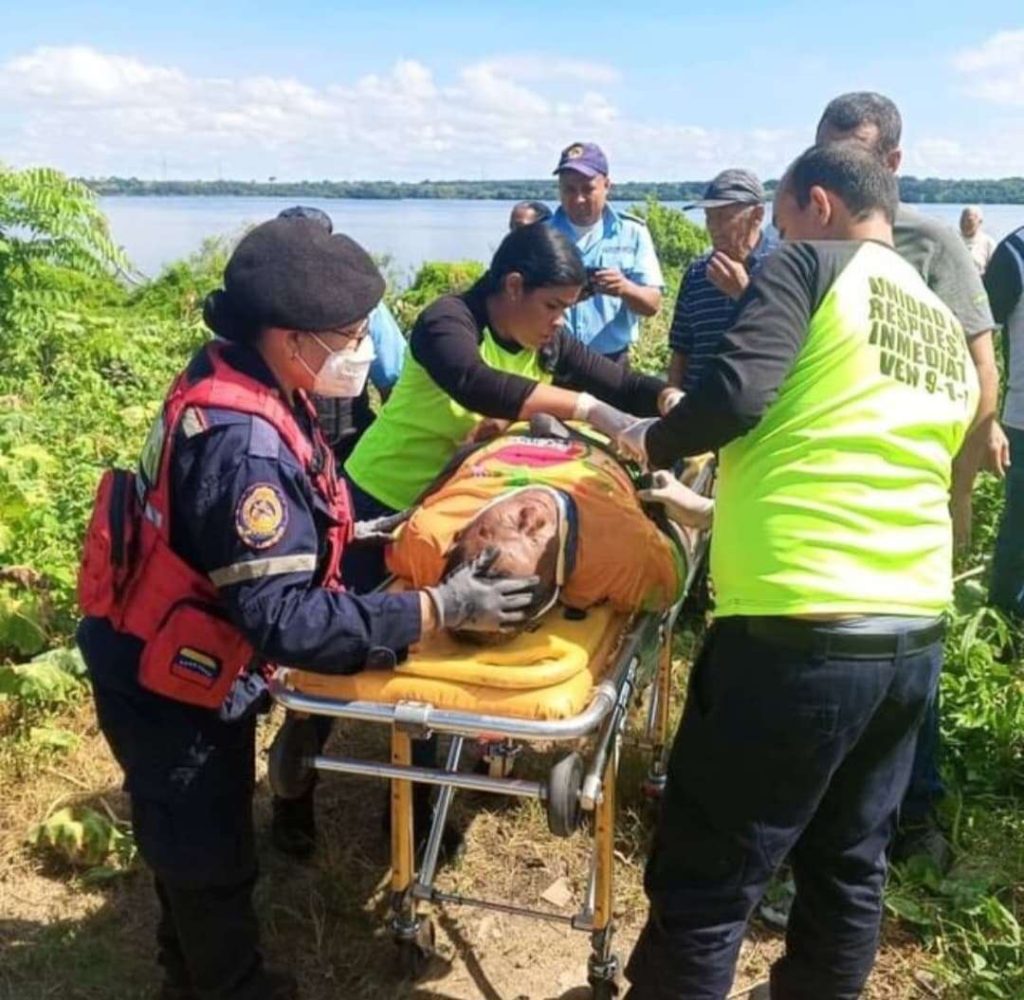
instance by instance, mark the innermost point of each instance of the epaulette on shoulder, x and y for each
(638, 219)
(200, 420)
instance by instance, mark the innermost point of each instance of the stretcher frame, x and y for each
(642, 660)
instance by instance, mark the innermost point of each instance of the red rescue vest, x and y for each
(131, 575)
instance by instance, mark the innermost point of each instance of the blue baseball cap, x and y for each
(585, 158)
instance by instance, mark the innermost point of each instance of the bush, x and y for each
(83, 368)
(679, 241)
(433, 279)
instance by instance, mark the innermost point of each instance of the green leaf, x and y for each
(39, 684)
(908, 909)
(81, 836)
(53, 739)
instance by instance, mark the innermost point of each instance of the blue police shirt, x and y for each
(604, 322)
(245, 513)
(388, 345)
(703, 312)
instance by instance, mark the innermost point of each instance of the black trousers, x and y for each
(190, 778)
(781, 752)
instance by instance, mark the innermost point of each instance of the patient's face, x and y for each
(524, 529)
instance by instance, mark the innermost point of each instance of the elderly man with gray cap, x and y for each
(709, 294)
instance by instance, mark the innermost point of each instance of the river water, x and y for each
(158, 230)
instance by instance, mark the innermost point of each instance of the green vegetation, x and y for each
(1008, 190)
(84, 363)
(431, 280)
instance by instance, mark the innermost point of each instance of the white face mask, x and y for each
(343, 373)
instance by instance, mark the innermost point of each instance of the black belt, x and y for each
(821, 637)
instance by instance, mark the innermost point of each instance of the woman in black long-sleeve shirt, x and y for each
(492, 353)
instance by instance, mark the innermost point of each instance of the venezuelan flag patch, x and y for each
(194, 665)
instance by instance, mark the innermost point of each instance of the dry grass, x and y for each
(62, 938)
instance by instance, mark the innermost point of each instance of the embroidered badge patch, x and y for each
(574, 151)
(261, 516)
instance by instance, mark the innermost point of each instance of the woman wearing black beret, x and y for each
(221, 555)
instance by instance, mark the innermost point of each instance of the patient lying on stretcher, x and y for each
(552, 503)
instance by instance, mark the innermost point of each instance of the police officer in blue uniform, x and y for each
(625, 280)
(249, 520)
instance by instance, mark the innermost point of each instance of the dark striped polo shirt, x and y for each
(703, 313)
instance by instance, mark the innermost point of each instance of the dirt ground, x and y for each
(63, 938)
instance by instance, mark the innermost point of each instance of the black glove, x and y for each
(379, 530)
(469, 599)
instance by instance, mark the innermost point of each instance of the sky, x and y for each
(440, 90)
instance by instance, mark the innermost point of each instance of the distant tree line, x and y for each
(1009, 190)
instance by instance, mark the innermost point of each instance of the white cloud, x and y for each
(79, 75)
(936, 156)
(534, 68)
(994, 70)
(94, 113)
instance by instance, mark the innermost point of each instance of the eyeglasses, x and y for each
(352, 335)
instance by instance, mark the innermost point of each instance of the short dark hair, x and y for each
(538, 208)
(542, 255)
(864, 107)
(854, 174)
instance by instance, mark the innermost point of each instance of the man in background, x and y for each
(625, 276)
(979, 244)
(526, 213)
(733, 206)
(1004, 282)
(940, 257)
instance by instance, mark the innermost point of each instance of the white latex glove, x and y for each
(681, 504)
(601, 416)
(669, 399)
(631, 442)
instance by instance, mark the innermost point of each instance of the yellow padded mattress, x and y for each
(546, 674)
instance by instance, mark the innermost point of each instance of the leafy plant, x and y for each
(678, 241)
(84, 838)
(433, 279)
(983, 702)
(47, 682)
(47, 221)
(965, 918)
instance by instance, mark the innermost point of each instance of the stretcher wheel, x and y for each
(563, 803)
(288, 769)
(415, 952)
(603, 989)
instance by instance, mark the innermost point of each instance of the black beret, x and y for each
(293, 273)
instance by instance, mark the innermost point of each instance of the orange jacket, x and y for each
(621, 556)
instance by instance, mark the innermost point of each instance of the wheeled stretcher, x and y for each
(572, 680)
